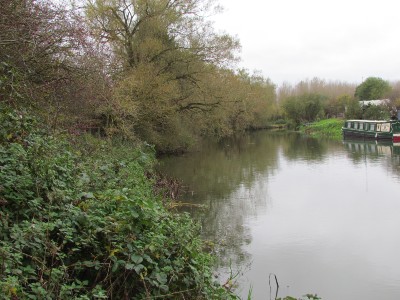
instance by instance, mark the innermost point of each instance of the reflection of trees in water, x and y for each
(299, 146)
(372, 152)
(224, 220)
(218, 169)
(230, 179)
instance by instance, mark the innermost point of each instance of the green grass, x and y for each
(331, 128)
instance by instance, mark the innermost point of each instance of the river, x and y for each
(322, 216)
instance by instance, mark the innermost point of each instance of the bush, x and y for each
(303, 108)
(78, 227)
(376, 112)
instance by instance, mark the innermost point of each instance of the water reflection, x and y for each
(321, 215)
(230, 179)
(304, 147)
(372, 149)
(383, 153)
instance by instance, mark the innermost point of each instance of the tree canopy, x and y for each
(372, 88)
(172, 73)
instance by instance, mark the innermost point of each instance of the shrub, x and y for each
(79, 227)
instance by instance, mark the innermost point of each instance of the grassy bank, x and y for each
(80, 220)
(330, 128)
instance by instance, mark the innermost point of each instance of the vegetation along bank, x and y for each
(329, 128)
(81, 221)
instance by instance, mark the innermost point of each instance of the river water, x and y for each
(322, 216)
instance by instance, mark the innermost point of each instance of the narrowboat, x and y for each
(372, 129)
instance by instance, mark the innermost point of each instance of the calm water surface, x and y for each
(323, 216)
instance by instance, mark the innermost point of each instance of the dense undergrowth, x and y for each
(331, 128)
(81, 220)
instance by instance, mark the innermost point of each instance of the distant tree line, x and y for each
(314, 99)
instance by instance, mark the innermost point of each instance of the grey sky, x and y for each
(291, 40)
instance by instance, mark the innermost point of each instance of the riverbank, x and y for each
(81, 219)
(330, 128)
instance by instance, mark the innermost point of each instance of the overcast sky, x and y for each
(292, 40)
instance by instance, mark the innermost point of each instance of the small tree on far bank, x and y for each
(293, 110)
(372, 88)
(303, 108)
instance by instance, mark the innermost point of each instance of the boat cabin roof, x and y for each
(369, 121)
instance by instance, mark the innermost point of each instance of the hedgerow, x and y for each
(80, 226)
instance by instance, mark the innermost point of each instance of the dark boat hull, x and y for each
(366, 135)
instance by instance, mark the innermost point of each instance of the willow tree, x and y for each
(148, 30)
(163, 51)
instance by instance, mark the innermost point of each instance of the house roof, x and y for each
(375, 102)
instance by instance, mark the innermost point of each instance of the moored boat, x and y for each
(372, 129)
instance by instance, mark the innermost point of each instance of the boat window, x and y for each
(378, 127)
(348, 125)
(355, 125)
(361, 126)
(385, 127)
(372, 127)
